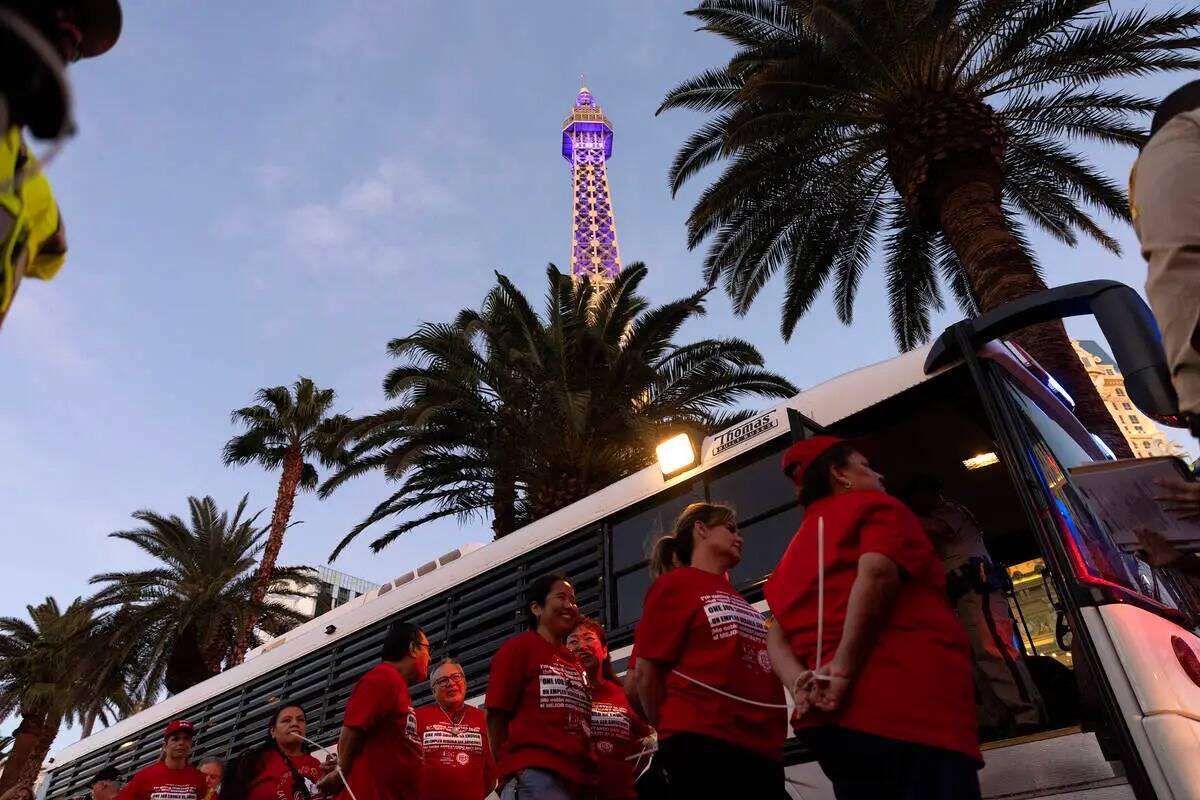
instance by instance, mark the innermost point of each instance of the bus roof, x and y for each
(824, 404)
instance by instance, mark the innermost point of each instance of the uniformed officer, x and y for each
(1164, 193)
(33, 95)
(1008, 700)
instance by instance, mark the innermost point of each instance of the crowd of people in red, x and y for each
(861, 637)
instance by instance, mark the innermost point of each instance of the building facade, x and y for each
(333, 589)
(587, 139)
(1144, 437)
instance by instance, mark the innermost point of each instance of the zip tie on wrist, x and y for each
(338, 768)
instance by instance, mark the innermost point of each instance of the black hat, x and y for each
(1185, 98)
(107, 774)
(100, 23)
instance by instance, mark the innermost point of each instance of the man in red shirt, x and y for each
(172, 777)
(458, 756)
(379, 752)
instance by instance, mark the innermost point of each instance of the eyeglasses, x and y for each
(442, 683)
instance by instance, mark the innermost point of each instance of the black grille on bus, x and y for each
(472, 617)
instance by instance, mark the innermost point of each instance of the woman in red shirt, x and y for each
(889, 711)
(617, 732)
(538, 703)
(279, 768)
(702, 671)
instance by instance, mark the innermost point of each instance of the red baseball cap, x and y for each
(798, 457)
(180, 725)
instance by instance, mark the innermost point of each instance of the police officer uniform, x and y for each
(976, 586)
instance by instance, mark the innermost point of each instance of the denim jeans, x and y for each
(539, 784)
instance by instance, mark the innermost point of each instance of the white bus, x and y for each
(1110, 639)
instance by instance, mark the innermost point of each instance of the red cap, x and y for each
(179, 725)
(798, 457)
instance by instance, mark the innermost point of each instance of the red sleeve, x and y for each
(890, 529)
(369, 702)
(665, 620)
(506, 678)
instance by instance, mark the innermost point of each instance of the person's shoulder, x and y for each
(521, 643)
(873, 501)
(427, 713)
(473, 715)
(679, 579)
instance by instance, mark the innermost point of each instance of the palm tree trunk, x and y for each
(24, 751)
(999, 271)
(88, 724)
(289, 482)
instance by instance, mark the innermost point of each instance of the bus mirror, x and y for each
(1122, 315)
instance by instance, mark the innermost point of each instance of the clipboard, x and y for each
(1121, 494)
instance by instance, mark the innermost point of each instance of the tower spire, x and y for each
(587, 145)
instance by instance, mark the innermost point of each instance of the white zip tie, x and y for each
(727, 694)
(820, 590)
(338, 768)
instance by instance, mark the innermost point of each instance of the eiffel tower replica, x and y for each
(587, 145)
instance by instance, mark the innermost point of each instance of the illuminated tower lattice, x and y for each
(587, 145)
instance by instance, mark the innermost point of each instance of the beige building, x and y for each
(1144, 437)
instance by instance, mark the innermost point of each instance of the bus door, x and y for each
(1131, 627)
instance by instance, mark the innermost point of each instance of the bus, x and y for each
(1110, 640)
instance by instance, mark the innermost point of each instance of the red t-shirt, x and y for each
(545, 690)
(695, 623)
(916, 684)
(160, 782)
(275, 781)
(389, 765)
(458, 757)
(617, 733)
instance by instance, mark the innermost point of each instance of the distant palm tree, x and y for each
(509, 412)
(283, 430)
(46, 665)
(184, 614)
(923, 132)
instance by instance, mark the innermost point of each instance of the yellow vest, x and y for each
(32, 240)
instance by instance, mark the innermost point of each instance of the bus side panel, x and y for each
(1114, 673)
(1143, 643)
(1172, 734)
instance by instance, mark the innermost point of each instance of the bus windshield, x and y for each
(1097, 560)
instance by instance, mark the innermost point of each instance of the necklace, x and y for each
(454, 722)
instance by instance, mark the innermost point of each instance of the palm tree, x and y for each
(283, 430)
(518, 414)
(925, 131)
(46, 665)
(183, 615)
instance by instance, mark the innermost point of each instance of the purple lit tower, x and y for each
(587, 143)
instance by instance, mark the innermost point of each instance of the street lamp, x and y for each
(676, 454)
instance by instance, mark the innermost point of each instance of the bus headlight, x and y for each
(675, 454)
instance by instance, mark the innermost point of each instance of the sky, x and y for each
(265, 190)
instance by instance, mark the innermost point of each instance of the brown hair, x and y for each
(817, 482)
(675, 549)
(606, 667)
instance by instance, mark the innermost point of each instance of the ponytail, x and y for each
(675, 549)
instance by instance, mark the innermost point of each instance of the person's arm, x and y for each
(1158, 552)
(349, 746)
(651, 688)
(791, 673)
(497, 730)
(871, 600)
(1180, 497)
(629, 684)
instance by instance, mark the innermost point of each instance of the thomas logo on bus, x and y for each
(745, 432)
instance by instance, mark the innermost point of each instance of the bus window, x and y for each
(633, 536)
(765, 502)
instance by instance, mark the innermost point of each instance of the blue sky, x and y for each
(272, 189)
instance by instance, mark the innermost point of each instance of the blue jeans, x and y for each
(538, 784)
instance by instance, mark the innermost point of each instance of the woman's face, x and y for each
(585, 643)
(856, 475)
(722, 538)
(289, 725)
(558, 614)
